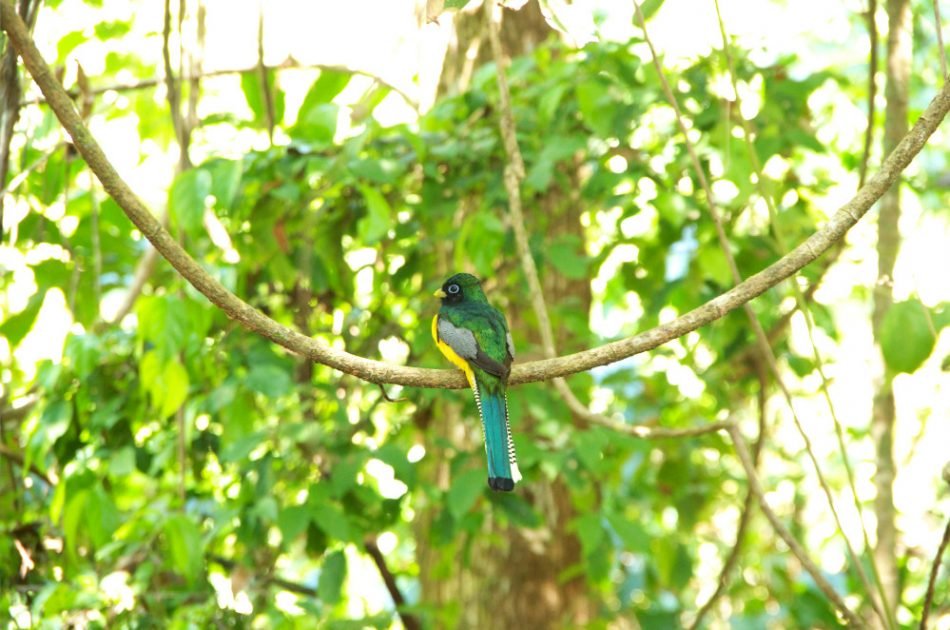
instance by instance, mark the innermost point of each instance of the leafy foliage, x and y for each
(179, 449)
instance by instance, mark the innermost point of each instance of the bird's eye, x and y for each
(453, 289)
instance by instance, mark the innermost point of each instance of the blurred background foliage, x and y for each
(162, 467)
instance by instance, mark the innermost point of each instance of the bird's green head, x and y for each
(462, 287)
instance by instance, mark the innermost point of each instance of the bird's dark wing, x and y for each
(474, 337)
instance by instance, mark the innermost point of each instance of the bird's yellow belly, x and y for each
(450, 354)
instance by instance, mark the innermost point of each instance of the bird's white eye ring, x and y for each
(453, 289)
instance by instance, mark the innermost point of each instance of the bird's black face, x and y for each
(461, 287)
(451, 292)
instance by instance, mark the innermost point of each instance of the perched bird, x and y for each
(474, 336)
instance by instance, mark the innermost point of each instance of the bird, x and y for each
(474, 336)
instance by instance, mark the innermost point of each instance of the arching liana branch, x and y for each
(381, 372)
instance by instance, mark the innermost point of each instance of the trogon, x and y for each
(474, 336)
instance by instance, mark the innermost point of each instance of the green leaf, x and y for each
(376, 223)
(591, 99)
(292, 521)
(175, 387)
(466, 487)
(269, 380)
(329, 518)
(590, 447)
(326, 88)
(332, 574)
(73, 520)
(567, 256)
(317, 124)
(185, 547)
(251, 85)
(102, 517)
(68, 43)
(396, 457)
(16, 327)
(225, 180)
(186, 199)
(163, 322)
(631, 533)
(906, 337)
(647, 8)
(590, 531)
(53, 424)
(115, 28)
(165, 381)
(238, 448)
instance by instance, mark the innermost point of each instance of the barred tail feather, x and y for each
(500, 450)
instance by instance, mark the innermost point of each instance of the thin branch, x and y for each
(287, 585)
(885, 614)
(10, 92)
(738, 362)
(513, 175)
(143, 270)
(288, 64)
(938, 26)
(173, 89)
(182, 454)
(16, 413)
(96, 244)
(745, 517)
(13, 457)
(269, 113)
(410, 621)
(934, 571)
(883, 412)
(321, 351)
(872, 91)
(755, 486)
(765, 349)
(20, 177)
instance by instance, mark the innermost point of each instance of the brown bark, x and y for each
(512, 578)
(899, 41)
(528, 372)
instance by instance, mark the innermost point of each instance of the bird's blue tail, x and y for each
(502, 465)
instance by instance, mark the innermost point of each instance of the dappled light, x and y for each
(696, 260)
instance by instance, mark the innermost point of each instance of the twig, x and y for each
(387, 397)
(96, 244)
(10, 92)
(410, 621)
(380, 372)
(756, 487)
(143, 270)
(938, 26)
(765, 349)
(743, 356)
(647, 433)
(885, 614)
(288, 64)
(883, 414)
(14, 457)
(934, 571)
(11, 413)
(513, 175)
(182, 454)
(729, 564)
(20, 177)
(287, 585)
(872, 91)
(269, 114)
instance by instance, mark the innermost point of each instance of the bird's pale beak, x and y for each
(439, 294)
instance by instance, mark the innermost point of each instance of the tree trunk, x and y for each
(888, 241)
(513, 576)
